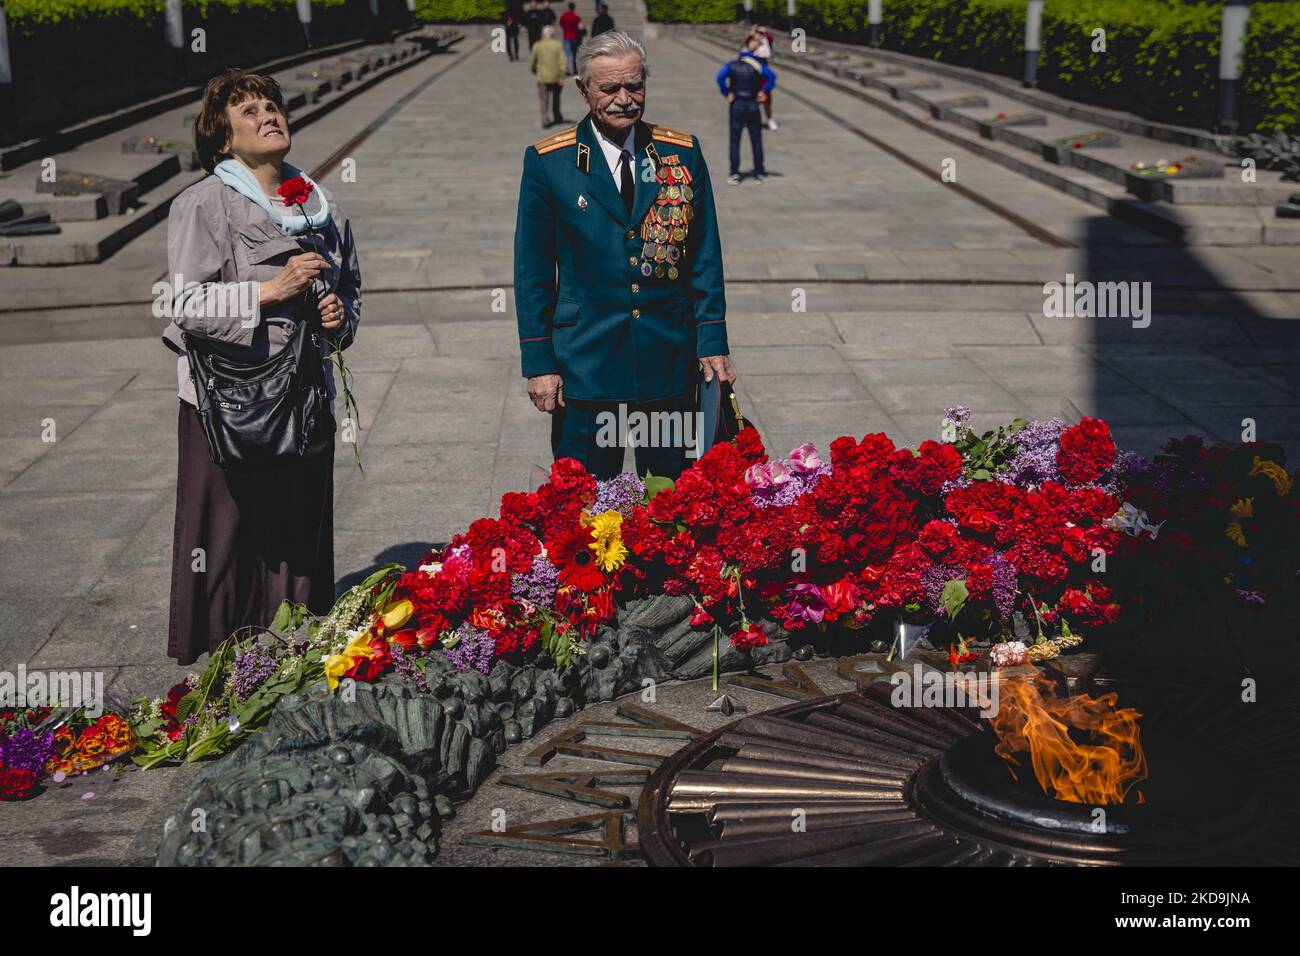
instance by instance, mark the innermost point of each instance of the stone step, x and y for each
(1032, 130)
(155, 178)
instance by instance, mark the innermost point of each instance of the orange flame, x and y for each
(1102, 771)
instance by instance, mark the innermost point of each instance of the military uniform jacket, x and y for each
(620, 306)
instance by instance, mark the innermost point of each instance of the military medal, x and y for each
(664, 228)
(582, 202)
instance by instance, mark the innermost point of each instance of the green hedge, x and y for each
(1161, 58)
(462, 11)
(55, 11)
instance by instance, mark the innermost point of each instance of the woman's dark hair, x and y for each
(211, 128)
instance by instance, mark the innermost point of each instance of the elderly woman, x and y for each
(248, 268)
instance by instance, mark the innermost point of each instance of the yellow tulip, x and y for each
(396, 614)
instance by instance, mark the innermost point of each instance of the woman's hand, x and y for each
(293, 279)
(331, 312)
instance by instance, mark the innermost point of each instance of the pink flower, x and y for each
(804, 459)
(766, 475)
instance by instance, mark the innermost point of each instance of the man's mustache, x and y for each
(625, 111)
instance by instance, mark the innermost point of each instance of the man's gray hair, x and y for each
(548, 32)
(610, 43)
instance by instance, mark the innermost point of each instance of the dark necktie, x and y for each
(627, 189)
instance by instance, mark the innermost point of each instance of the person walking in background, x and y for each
(533, 22)
(762, 48)
(547, 14)
(547, 63)
(603, 22)
(746, 82)
(571, 26)
(513, 17)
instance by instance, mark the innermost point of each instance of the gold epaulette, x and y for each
(548, 144)
(666, 135)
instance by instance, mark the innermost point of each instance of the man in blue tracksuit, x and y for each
(745, 82)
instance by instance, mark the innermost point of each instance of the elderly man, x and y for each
(547, 63)
(618, 271)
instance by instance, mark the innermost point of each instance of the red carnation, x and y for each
(295, 191)
(751, 636)
(16, 784)
(1086, 451)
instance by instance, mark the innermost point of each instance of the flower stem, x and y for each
(716, 631)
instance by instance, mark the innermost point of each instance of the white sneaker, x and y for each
(760, 178)
(771, 124)
(733, 180)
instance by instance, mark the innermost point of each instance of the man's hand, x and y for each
(719, 365)
(762, 97)
(547, 392)
(731, 97)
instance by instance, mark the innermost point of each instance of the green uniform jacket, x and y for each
(586, 307)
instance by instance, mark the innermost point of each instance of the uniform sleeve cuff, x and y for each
(711, 339)
(538, 357)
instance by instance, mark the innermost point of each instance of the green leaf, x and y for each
(953, 597)
(655, 484)
(283, 618)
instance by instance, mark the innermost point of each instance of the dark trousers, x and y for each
(746, 114)
(576, 432)
(512, 42)
(264, 537)
(548, 97)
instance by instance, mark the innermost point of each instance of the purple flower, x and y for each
(475, 650)
(26, 750)
(959, 415)
(252, 668)
(539, 584)
(798, 476)
(1257, 598)
(1004, 584)
(806, 603)
(1035, 461)
(402, 665)
(933, 579)
(619, 493)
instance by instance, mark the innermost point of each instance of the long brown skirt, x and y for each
(245, 542)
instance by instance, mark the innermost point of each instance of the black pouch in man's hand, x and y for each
(721, 418)
(256, 416)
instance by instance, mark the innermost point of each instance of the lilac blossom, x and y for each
(959, 415)
(620, 493)
(539, 584)
(252, 668)
(402, 665)
(26, 750)
(1035, 461)
(933, 579)
(799, 475)
(1004, 586)
(474, 651)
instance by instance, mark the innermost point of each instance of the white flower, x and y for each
(1008, 654)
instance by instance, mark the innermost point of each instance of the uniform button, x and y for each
(632, 261)
(636, 287)
(636, 313)
(631, 234)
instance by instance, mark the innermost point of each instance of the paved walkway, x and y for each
(916, 298)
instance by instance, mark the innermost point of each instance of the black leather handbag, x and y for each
(255, 416)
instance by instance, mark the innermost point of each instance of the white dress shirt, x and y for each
(613, 151)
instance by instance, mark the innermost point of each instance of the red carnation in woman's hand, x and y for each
(295, 191)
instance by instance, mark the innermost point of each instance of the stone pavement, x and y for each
(915, 298)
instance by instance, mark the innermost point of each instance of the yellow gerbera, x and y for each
(1274, 473)
(607, 532)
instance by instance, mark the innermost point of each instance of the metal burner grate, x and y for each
(852, 780)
